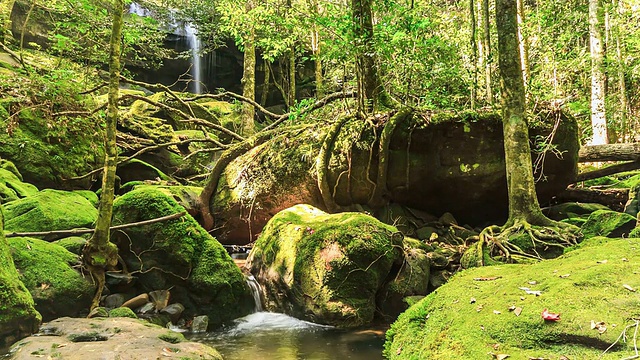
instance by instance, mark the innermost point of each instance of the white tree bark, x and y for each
(598, 77)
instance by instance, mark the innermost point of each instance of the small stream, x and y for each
(272, 336)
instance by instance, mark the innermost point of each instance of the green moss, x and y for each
(73, 244)
(47, 270)
(123, 312)
(12, 188)
(608, 223)
(89, 195)
(447, 325)
(332, 265)
(172, 337)
(50, 210)
(18, 317)
(215, 286)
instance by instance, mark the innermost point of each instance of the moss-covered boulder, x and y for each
(12, 187)
(488, 310)
(18, 317)
(572, 210)
(51, 273)
(179, 255)
(608, 223)
(432, 162)
(50, 210)
(324, 268)
(73, 244)
(138, 170)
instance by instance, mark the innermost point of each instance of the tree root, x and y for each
(322, 166)
(520, 240)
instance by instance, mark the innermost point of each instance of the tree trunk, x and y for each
(598, 77)
(609, 170)
(486, 45)
(523, 43)
(292, 77)
(523, 203)
(267, 83)
(249, 79)
(369, 87)
(474, 54)
(315, 49)
(613, 198)
(99, 253)
(610, 152)
(622, 87)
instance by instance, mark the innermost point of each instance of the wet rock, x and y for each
(137, 301)
(439, 278)
(160, 298)
(174, 311)
(438, 260)
(425, 233)
(113, 301)
(448, 219)
(98, 312)
(146, 308)
(199, 324)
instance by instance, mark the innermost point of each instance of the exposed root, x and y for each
(522, 241)
(322, 163)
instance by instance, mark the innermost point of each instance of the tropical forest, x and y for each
(320, 179)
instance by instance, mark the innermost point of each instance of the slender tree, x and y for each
(249, 77)
(99, 253)
(598, 77)
(369, 88)
(474, 53)
(523, 43)
(486, 46)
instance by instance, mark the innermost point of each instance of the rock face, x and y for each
(12, 187)
(179, 255)
(18, 317)
(109, 338)
(324, 268)
(432, 163)
(49, 272)
(468, 318)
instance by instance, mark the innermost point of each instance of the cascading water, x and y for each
(255, 291)
(194, 45)
(193, 42)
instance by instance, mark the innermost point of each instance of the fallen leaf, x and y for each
(496, 346)
(44, 286)
(482, 327)
(629, 288)
(479, 308)
(456, 301)
(517, 311)
(531, 292)
(625, 259)
(600, 326)
(512, 307)
(565, 276)
(472, 301)
(399, 351)
(497, 312)
(61, 345)
(562, 357)
(549, 316)
(533, 282)
(522, 297)
(601, 262)
(28, 246)
(499, 356)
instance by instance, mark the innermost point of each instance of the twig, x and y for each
(89, 231)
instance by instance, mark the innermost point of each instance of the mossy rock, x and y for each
(123, 312)
(469, 319)
(201, 274)
(8, 165)
(608, 223)
(50, 210)
(49, 272)
(49, 151)
(324, 268)
(89, 195)
(571, 210)
(73, 244)
(186, 196)
(18, 317)
(138, 170)
(12, 188)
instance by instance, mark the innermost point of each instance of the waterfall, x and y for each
(255, 291)
(194, 45)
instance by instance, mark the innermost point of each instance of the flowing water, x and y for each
(271, 336)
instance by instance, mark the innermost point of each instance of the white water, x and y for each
(267, 322)
(193, 42)
(255, 291)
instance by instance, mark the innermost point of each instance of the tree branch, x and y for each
(89, 231)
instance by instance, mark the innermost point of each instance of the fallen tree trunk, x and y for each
(610, 152)
(609, 170)
(612, 198)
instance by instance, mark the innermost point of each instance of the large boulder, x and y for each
(179, 255)
(18, 317)
(498, 309)
(325, 268)
(50, 210)
(50, 272)
(13, 188)
(435, 163)
(109, 338)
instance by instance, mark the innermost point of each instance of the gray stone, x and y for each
(114, 301)
(200, 324)
(174, 311)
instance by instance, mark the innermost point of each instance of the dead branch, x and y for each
(610, 152)
(15, 56)
(609, 170)
(147, 149)
(89, 231)
(237, 97)
(94, 89)
(613, 198)
(79, 113)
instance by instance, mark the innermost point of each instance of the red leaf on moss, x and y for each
(548, 316)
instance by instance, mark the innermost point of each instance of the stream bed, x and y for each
(272, 336)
